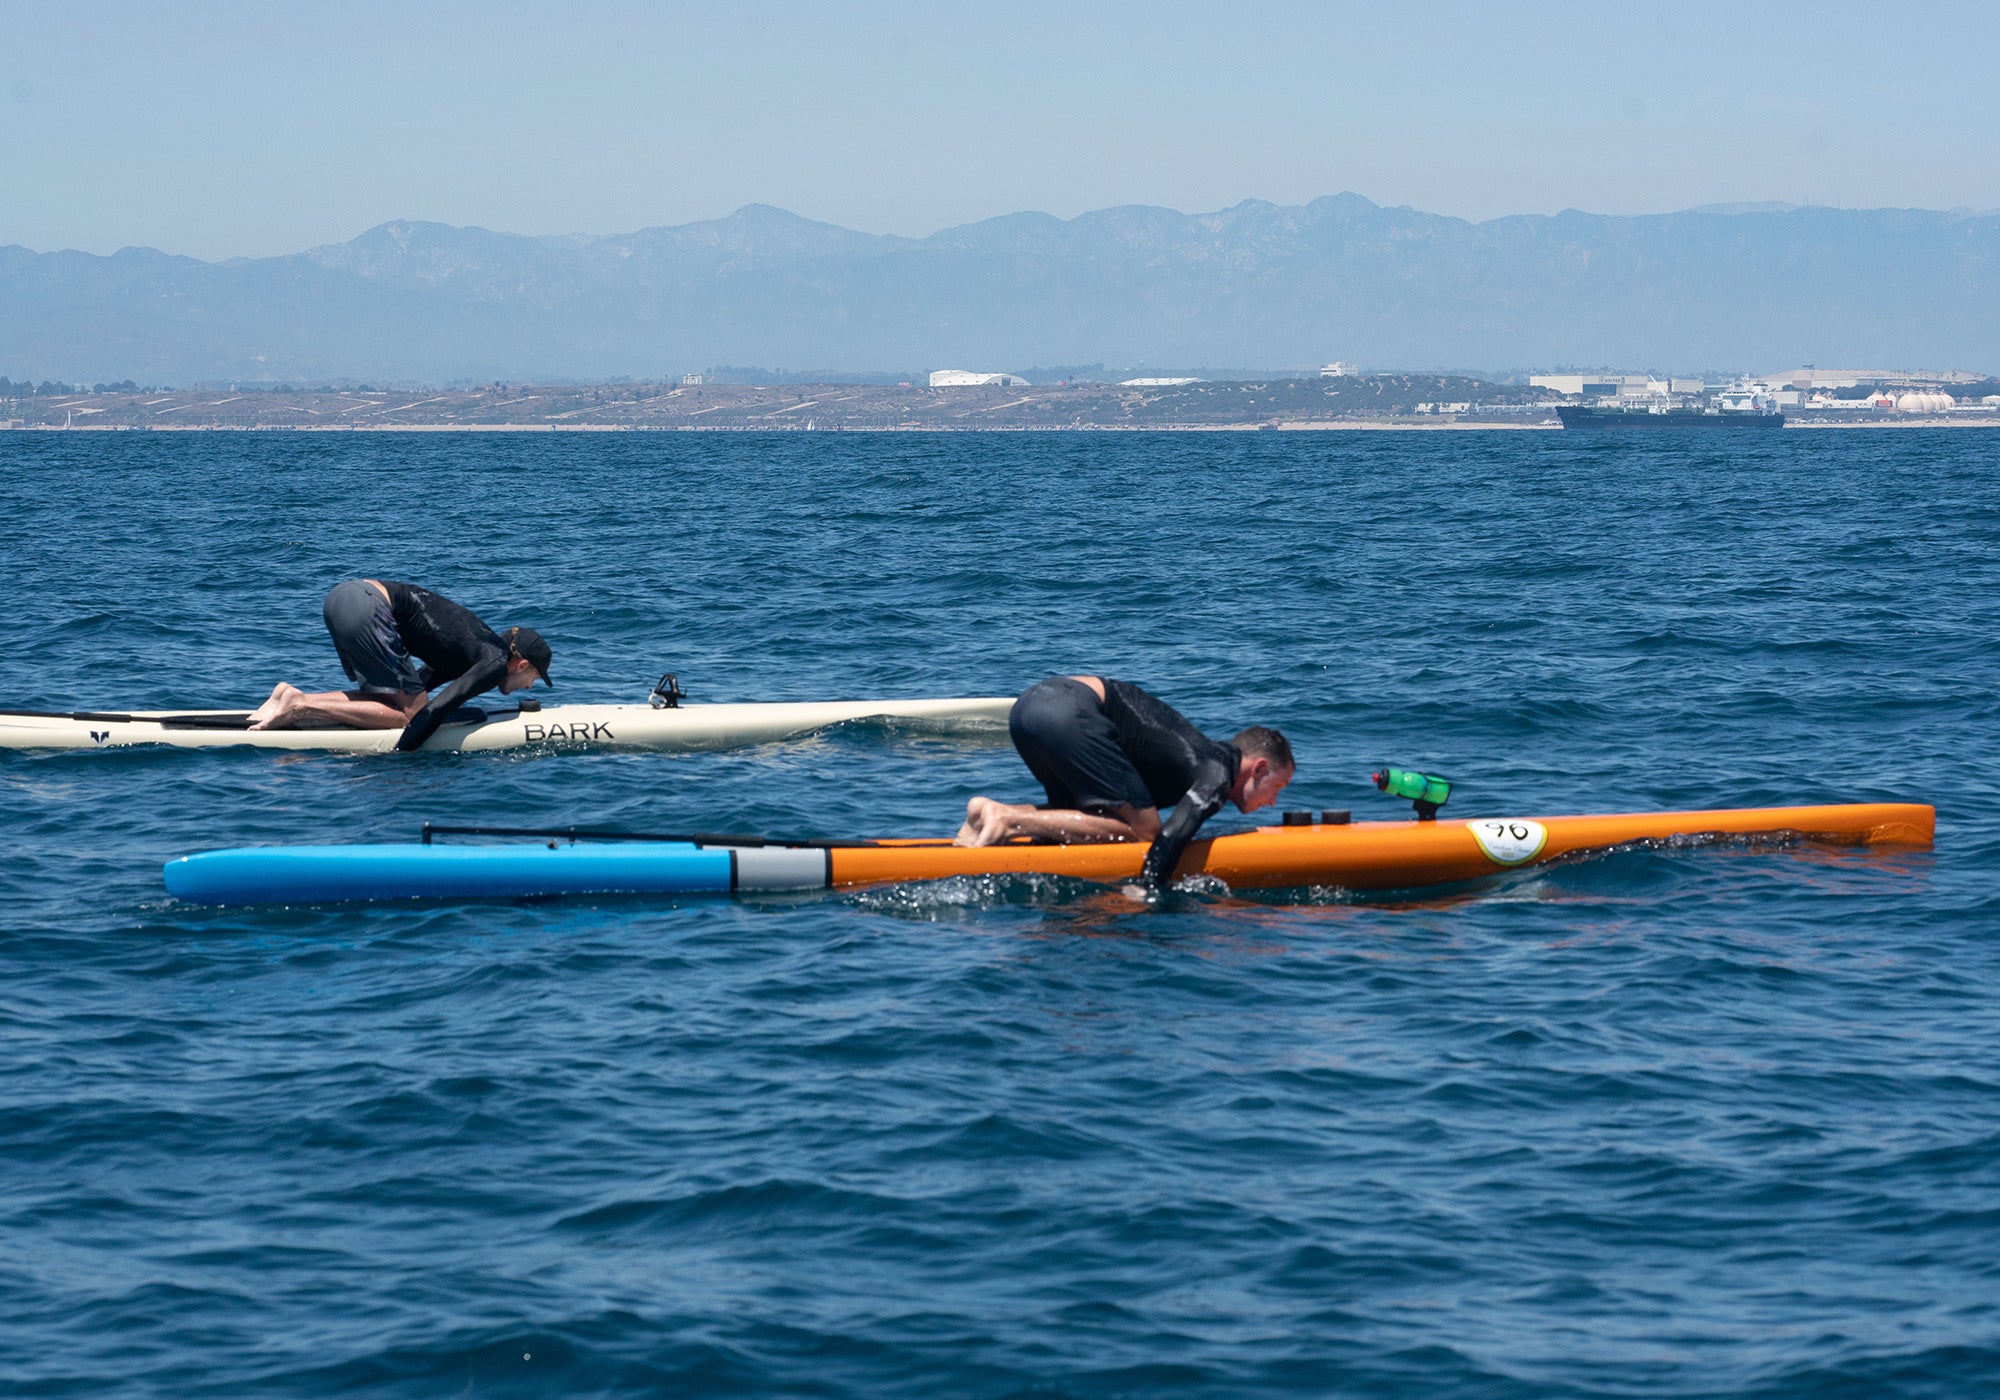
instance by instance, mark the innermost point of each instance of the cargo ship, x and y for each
(1586, 417)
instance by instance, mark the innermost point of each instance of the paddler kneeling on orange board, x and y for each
(1110, 756)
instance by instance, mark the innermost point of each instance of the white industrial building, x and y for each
(1920, 402)
(961, 378)
(1812, 378)
(1623, 386)
(1339, 369)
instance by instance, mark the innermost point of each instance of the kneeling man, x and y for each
(1110, 757)
(383, 630)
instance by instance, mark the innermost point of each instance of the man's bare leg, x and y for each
(261, 717)
(988, 823)
(979, 813)
(292, 708)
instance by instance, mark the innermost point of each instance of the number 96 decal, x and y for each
(1509, 840)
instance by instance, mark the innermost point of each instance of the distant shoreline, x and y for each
(1357, 426)
(1425, 403)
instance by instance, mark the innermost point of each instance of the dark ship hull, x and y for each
(1673, 418)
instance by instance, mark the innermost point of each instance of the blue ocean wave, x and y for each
(1681, 1119)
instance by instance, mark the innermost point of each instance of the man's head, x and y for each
(1267, 766)
(527, 660)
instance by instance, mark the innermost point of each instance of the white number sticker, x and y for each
(1509, 840)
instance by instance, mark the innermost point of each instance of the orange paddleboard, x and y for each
(1387, 855)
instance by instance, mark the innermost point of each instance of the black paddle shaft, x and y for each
(577, 833)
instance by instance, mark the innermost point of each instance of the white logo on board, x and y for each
(1509, 840)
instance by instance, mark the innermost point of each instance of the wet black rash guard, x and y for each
(1181, 767)
(455, 647)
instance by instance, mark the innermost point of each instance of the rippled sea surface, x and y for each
(1668, 1122)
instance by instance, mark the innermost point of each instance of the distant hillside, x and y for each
(1314, 402)
(1258, 284)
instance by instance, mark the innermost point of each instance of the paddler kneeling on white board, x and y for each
(383, 630)
(1110, 756)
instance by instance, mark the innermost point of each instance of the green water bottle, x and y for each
(1426, 791)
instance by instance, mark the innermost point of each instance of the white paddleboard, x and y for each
(687, 728)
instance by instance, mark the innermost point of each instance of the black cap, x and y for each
(528, 643)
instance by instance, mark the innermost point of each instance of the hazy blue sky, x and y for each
(222, 128)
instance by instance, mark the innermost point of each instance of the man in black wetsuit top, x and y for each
(396, 641)
(1110, 757)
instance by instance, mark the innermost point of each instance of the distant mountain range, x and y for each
(1257, 285)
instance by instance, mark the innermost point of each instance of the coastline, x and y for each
(1359, 403)
(1385, 425)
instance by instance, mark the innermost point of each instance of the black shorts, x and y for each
(371, 649)
(1071, 746)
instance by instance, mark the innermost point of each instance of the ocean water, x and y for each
(1719, 1121)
